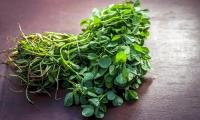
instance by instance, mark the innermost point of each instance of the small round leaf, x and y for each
(88, 110)
(104, 62)
(118, 101)
(68, 101)
(121, 57)
(88, 76)
(111, 95)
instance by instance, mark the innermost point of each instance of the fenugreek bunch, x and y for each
(104, 64)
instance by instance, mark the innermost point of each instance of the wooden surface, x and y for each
(172, 88)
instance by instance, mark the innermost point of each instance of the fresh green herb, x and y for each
(104, 64)
(116, 59)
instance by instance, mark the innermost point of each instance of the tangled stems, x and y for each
(36, 61)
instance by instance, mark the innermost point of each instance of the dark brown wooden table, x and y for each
(171, 90)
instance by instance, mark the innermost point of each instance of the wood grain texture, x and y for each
(171, 90)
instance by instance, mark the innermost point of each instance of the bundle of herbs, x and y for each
(103, 65)
(114, 60)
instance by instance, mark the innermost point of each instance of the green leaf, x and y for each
(138, 48)
(116, 37)
(92, 56)
(88, 110)
(99, 113)
(120, 57)
(125, 72)
(131, 95)
(84, 22)
(97, 20)
(83, 100)
(112, 45)
(130, 38)
(83, 70)
(145, 65)
(99, 90)
(68, 101)
(111, 95)
(76, 99)
(104, 62)
(120, 81)
(104, 100)
(98, 83)
(135, 86)
(88, 76)
(139, 81)
(126, 49)
(88, 83)
(109, 82)
(112, 70)
(94, 101)
(103, 107)
(130, 76)
(100, 73)
(118, 101)
(91, 94)
(141, 49)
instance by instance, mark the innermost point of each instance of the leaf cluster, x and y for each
(116, 59)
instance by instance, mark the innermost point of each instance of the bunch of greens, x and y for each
(104, 64)
(113, 58)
